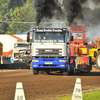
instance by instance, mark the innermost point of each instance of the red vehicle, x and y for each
(79, 48)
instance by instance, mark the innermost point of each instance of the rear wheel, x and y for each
(35, 71)
(98, 61)
(89, 64)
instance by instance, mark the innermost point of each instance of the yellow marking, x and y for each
(82, 50)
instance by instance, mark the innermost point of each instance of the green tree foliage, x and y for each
(16, 10)
(22, 14)
(4, 4)
(16, 3)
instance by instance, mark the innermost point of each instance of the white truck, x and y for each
(18, 46)
(50, 49)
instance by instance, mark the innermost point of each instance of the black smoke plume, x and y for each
(73, 9)
(93, 16)
(46, 9)
(97, 2)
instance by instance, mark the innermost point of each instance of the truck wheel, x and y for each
(98, 61)
(65, 72)
(88, 71)
(35, 71)
(89, 64)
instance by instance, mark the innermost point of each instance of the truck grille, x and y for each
(49, 52)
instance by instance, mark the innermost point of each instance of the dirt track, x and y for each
(44, 86)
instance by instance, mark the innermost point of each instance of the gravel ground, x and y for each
(44, 87)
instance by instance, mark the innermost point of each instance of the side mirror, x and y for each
(28, 37)
(72, 38)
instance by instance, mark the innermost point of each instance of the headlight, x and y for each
(35, 60)
(62, 60)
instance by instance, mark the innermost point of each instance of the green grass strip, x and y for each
(95, 95)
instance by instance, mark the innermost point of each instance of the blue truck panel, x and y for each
(50, 63)
(72, 62)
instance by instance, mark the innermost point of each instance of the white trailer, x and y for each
(8, 42)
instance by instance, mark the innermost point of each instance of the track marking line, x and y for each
(77, 93)
(19, 93)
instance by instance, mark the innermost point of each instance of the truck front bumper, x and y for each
(50, 63)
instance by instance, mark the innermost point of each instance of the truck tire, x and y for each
(65, 72)
(35, 71)
(98, 60)
(89, 64)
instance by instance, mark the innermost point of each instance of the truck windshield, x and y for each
(49, 37)
(77, 35)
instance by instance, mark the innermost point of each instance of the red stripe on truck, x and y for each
(7, 53)
(16, 37)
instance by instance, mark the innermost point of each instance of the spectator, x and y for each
(39, 37)
(78, 36)
(30, 54)
(22, 55)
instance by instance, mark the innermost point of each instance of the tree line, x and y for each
(19, 11)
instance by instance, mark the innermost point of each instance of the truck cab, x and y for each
(50, 50)
(79, 37)
(18, 46)
(79, 48)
